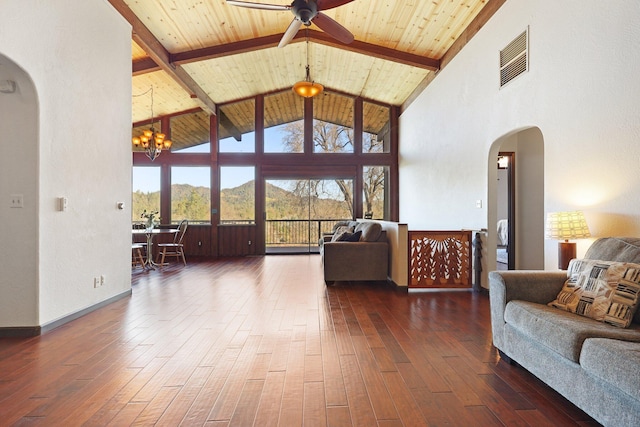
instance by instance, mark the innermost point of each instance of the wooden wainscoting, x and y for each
(197, 240)
(237, 240)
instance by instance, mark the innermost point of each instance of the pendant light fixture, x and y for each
(151, 141)
(307, 88)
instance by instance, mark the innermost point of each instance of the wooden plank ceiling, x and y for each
(200, 53)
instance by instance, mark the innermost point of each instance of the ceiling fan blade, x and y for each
(263, 6)
(333, 28)
(290, 33)
(330, 4)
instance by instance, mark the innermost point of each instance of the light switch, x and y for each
(17, 201)
(63, 203)
(479, 203)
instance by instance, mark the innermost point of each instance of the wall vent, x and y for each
(514, 58)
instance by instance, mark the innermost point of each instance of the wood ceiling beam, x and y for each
(373, 50)
(144, 65)
(152, 46)
(266, 42)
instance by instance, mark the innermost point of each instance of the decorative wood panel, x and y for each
(440, 259)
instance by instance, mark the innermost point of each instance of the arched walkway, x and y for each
(18, 181)
(528, 189)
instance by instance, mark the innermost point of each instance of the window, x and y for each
(237, 195)
(284, 123)
(190, 133)
(191, 194)
(376, 136)
(375, 192)
(237, 127)
(332, 124)
(145, 194)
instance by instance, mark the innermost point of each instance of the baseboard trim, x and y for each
(20, 331)
(32, 331)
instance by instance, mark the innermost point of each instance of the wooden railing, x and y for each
(440, 259)
(297, 232)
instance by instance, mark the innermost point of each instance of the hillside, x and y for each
(238, 204)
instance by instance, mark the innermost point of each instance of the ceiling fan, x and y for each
(305, 12)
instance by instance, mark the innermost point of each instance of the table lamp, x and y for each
(565, 226)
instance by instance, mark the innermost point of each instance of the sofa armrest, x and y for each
(528, 285)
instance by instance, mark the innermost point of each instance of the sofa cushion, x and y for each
(340, 232)
(615, 362)
(561, 331)
(370, 231)
(606, 291)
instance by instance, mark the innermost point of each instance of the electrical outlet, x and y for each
(16, 201)
(249, 242)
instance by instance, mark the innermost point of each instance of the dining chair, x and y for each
(137, 257)
(140, 239)
(176, 248)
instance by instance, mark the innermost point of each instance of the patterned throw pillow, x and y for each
(606, 291)
(340, 233)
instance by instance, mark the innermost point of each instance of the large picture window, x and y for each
(191, 194)
(145, 191)
(237, 127)
(375, 192)
(332, 124)
(283, 123)
(376, 135)
(237, 195)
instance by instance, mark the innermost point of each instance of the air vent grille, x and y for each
(514, 59)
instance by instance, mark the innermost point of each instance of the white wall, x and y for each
(18, 226)
(67, 135)
(581, 93)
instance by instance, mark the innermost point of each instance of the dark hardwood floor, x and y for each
(261, 341)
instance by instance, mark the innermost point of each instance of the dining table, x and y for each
(150, 234)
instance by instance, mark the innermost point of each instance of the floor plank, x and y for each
(263, 341)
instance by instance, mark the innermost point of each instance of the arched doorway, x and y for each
(526, 193)
(19, 308)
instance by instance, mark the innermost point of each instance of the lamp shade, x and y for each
(567, 225)
(307, 89)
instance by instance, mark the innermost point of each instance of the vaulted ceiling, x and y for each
(200, 53)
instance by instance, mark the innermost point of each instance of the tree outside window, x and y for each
(191, 194)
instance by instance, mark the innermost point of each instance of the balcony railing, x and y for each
(292, 232)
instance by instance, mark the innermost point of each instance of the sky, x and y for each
(147, 178)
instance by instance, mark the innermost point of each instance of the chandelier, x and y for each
(151, 141)
(307, 88)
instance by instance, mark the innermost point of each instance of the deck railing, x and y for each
(292, 232)
(297, 232)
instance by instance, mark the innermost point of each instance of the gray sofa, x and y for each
(594, 365)
(366, 259)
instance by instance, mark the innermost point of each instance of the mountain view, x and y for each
(237, 203)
